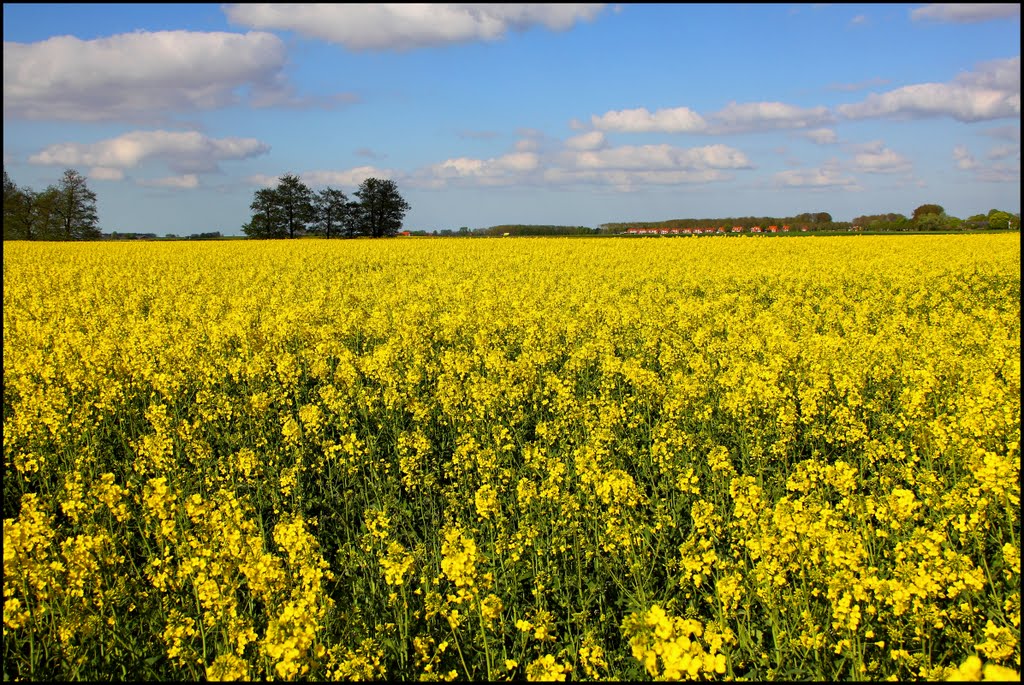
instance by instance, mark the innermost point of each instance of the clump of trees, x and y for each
(812, 221)
(292, 209)
(63, 211)
(932, 217)
(536, 229)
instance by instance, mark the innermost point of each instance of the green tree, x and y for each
(998, 220)
(924, 210)
(295, 200)
(332, 211)
(267, 220)
(930, 222)
(381, 208)
(17, 208)
(44, 218)
(281, 212)
(76, 209)
(977, 221)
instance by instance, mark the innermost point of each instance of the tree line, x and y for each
(818, 221)
(65, 210)
(927, 217)
(291, 210)
(932, 217)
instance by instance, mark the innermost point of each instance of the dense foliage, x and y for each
(534, 458)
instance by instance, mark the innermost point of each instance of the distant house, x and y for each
(405, 234)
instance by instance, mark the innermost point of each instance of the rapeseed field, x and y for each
(549, 459)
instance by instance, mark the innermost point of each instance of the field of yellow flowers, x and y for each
(525, 458)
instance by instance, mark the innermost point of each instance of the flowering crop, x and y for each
(538, 458)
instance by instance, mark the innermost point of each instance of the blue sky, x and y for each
(507, 114)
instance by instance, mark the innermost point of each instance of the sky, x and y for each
(517, 114)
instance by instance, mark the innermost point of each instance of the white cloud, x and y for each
(760, 116)
(963, 158)
(997, 74)
(822, 136)
(139, 76)
(343, 179)
(584, 160)
(626, 181)
(661, 157)
(102, 173)
(593, 140)
(734, 118)
(963, 13)
(497, 171)
(991, 92)
(185, 181)
(676, 120)
(875, 158)
(821, 178)
(389, 26)
(859, 20)
(182, 151)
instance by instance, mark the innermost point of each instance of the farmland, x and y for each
(528, 458)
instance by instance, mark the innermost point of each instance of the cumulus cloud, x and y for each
(991, 92)
(822, 136)
(388, 26)
(626, 181)
(102, 173)
(760, 116)
(661, 157)
(140, 76)
(813, 179)
(965, 13)
(875, 158)
(496, 171)
(593, 140)
(586, 160)
(183, 151)
(676, 120)
(963, 158)
(734, 118)
(185, 181)
(343, 179)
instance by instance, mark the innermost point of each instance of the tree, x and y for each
(17, 205)
(267, 219)
(76, 209)
(332, 211)
(381, 208)
(977, 221)
(998, 220)
(296, 202)
(43, 221)
(281, 212)
(924, 210)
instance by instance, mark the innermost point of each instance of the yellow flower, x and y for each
(546, 668)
